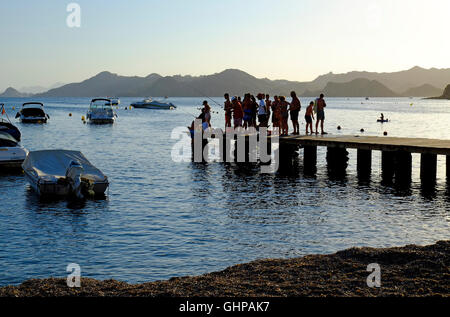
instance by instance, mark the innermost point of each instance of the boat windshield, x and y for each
(103, 104)
(32, 105)
(6, 140)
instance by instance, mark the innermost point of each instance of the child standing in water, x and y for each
(309, 116)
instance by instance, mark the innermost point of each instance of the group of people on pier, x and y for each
(261, 111)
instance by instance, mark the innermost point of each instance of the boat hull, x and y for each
(63, 188)
(149, 106)
(33, 119)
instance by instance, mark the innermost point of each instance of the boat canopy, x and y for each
(50, 164)
(101, 103)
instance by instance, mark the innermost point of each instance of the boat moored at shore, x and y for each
(12, 154)
(63, 173)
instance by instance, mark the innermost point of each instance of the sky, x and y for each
(277, 39)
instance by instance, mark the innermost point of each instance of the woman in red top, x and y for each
(238, 113)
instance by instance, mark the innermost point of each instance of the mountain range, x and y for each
(414, 82)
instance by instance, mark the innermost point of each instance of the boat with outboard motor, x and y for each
(12, 154)
(32, 112)
(101, 111)
(63, 173)
(153, 104)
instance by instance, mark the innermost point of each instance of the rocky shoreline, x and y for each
(405, 271)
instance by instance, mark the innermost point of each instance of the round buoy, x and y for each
(13, 108)
(362, 130)
(83, 118)
(130, 107)
(385, 133)
(339, 127)
(70, 114)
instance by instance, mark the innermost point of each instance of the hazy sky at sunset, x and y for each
(289, 39)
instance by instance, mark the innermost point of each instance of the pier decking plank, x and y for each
(412, 145)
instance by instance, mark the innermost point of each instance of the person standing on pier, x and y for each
(294, 109)
(262, 111)
(276, 115)
(247, 107)
(309, 117)
(320, 113)
(238, 113)
(207, 110)
(268, 108)
(228, 108)
(254, 110)
(283, 105)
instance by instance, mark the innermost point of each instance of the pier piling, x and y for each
(310, 158)
(428, 167)
(364, 162)
(387, 165)
(403, 167)
(337, 160)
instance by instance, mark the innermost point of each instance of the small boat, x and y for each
(383, 121)
(101, 111)
(7, 126)
(63, 173)
(153, 104)
(12, 154)
(32, 112)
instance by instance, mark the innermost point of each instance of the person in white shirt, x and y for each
(262, 111)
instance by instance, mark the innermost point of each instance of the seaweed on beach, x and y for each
(405, 271)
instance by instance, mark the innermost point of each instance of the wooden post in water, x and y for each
(387, 165)
(337, 160)
(364, 162)
(403, 167)
(448, 168)
(428, 167)
(309, 158)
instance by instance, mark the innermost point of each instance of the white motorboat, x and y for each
(12, 154)
(7, 126)
(63, 173)
(32, 112)
(153, 104)
(101, 111)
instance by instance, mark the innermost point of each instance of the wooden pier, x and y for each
(396, 153)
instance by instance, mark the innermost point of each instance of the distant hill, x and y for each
(234, 81)
(413, 82)
(360, 87)
(13, 93)
(399, 82)
(425, 90)
(445, 95)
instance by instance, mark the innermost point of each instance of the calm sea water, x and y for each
(164, 219)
